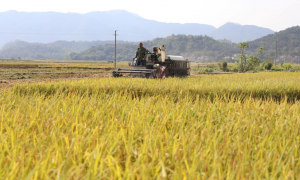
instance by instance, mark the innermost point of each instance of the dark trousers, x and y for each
(140, 62)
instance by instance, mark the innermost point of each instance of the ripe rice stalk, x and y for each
(211, 127)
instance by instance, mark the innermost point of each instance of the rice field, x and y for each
(237, 126)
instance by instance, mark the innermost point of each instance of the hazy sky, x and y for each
(274, 14)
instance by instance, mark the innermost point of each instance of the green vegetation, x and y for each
(242, 46)
(203, 70)
(267, 65)
(176, 45)
(240, 126)
(245, 63)
(248, 63)
(287, 66)
(288, 41)
(223, 65)
(288, 44)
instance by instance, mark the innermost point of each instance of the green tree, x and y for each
(242, 46)
(267, 65)
(223, 65)
(245, 64)
(260, 50)
(252, 62)
(242, 64)
(287, 66)
(73, 55)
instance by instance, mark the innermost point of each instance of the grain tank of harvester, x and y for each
(158, 65)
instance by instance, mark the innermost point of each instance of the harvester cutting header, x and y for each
(155, 65)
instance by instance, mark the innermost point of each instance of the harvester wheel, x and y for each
(115, 74)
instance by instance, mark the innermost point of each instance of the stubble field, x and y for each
(237, 126)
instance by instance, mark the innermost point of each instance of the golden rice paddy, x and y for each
(238, 126)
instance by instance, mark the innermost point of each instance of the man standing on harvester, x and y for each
(141, 54)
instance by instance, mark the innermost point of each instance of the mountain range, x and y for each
(239, 33)
(45, 27)
(288, 43)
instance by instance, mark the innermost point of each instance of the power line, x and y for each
(66, 34)
(135, 32)
(51, 30)
(132, 36)
(50, 34)
(131, 32)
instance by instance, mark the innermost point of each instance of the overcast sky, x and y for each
(274, 14)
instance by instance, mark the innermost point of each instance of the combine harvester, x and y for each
(158, 65)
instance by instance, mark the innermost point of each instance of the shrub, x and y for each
(245, 64)
(203, 70)
(208, 70)
(287, 66)
(211, 66)
(267, 65)
(223, 65)
(276, 69)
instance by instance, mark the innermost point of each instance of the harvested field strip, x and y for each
(53, 67)
(276, 86)
(62, 64)
(76, 72)
(19, 66)
(48, 67)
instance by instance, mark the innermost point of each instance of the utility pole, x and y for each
(276, 53)
(204, 47)
(115, 63)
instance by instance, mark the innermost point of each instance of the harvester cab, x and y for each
(157, 65)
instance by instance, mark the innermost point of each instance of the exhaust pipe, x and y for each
(163, 53)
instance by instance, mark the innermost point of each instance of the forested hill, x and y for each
(176, 45)
(189, 46)
(104, 50)
(288, 43)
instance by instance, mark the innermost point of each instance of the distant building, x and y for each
(287, 58)
(203, 59)
(190, 57)
(227, 57)
(281, 59)
(236, 56)
(297, 59)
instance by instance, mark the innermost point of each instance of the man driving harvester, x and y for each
(141, 54)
